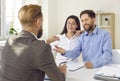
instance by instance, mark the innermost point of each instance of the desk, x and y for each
(85, 74)
(82, 74)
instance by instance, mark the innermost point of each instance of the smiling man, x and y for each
(95, 43)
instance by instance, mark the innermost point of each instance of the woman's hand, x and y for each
(78, 32)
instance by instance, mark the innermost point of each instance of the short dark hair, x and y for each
(76, 20)
(90, 13)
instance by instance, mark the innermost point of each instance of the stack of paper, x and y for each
(108, 73)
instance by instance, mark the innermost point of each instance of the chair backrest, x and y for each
(116, 56)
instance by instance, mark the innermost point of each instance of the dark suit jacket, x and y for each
(25, 58)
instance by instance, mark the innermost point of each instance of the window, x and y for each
(0, 17)
(9, 17)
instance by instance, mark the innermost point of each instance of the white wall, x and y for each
(68, 7)
(30, 1)
(56, 11)
(52, 17)
(44, 4)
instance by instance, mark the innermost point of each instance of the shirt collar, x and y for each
(95, 31)
(34, 35)
(64, 36)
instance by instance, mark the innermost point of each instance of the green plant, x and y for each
(13, 31)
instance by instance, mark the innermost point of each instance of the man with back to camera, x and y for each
(95, 43)
(24, 57)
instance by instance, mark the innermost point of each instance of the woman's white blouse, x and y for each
(65, 43)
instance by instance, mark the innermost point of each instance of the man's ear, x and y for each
(94, 19)
(38, 22)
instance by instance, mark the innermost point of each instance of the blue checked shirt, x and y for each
(95, 48)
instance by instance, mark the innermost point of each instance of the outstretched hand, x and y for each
(52, 39)
(59, 49)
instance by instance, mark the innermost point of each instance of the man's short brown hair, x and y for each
(29, 13)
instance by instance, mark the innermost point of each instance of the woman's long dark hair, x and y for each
(76, 20)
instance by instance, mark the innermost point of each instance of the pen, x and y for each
(64, 62)
(77, 68)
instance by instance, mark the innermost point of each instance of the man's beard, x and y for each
(40, 32)
(89, 29)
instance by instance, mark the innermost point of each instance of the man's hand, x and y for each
(59, 49)
(62, 68)
(52, 39)
(89, 65)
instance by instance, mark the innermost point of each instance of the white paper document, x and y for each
(109, 71)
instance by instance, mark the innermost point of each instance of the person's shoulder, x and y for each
(40, 45)
(40, 42)
(102, 31)
(61, 36)
(82, 35)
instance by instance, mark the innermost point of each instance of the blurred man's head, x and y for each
(30, 17)
(88, 20)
